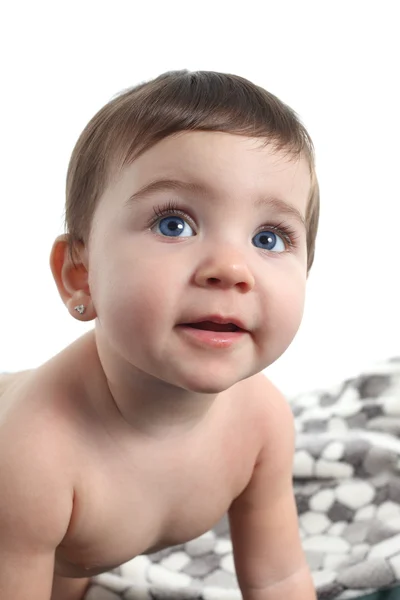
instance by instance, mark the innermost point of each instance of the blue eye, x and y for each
(174, 226)
(268, 240)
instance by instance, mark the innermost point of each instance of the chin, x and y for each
(211, 384)
(208, 389)
(218, 377)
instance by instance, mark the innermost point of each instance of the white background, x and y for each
(336, 63)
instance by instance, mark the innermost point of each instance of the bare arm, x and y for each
(35, 509)
(269, 559)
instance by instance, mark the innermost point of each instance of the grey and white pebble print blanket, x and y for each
(347, 487)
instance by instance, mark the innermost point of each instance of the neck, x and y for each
(146, 404)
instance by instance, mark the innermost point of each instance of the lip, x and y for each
(219, 320)
(213, 339)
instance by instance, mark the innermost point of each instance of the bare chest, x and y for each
(133, 504)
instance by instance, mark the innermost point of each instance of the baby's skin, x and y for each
(91, 494)
(145, 431)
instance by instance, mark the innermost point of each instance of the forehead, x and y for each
(225, 164)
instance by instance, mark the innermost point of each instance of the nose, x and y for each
(225, 269)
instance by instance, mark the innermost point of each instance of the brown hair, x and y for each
(141, 116)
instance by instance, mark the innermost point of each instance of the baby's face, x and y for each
(225, 242)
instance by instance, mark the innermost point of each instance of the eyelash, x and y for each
(165, 210)
(171, 208)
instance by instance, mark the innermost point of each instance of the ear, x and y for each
(71, 278)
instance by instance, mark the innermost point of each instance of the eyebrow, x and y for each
(162, 185)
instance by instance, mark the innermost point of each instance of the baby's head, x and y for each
(192, 197)
(174, 102)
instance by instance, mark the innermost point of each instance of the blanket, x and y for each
(347, 487)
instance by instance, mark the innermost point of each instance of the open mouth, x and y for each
(210, 326)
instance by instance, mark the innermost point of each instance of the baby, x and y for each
(191, 215)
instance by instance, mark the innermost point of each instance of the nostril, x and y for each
(243, 286)
(213, 280)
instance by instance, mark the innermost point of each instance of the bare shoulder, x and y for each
(28, 423)
(37, 491)
(267, 402)
(272, 425)
(9, 380)
(34, 437)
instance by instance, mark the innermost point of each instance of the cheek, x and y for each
(132, 293)
(285, 305)
(291, 310)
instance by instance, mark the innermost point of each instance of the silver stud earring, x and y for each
(80, 308)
